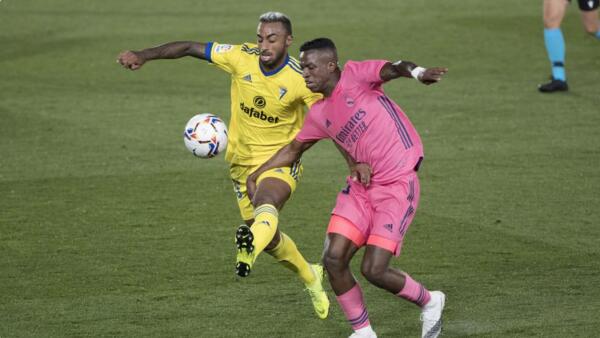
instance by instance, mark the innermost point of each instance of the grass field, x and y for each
(109, 227)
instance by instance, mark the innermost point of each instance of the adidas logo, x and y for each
(247, 78)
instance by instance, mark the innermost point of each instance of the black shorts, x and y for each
(588, 5)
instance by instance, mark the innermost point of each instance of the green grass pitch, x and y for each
(109, 227)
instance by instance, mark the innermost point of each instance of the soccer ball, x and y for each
(205, 135)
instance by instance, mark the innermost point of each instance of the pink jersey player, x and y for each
(372, 129)
(385, 152)
(366, 123)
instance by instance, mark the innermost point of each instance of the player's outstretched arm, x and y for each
(398, 69)
(284, 157)
(173, 50)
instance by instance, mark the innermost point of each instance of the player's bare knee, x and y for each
(273, 197)
(334, 261)
(272, 191)
(374, 273)
(552, 20)
(262, 199)
(554, 12)
(552, 23)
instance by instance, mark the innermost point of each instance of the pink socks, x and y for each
(414, 292)
(353, 305)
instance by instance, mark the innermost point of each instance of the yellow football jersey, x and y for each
(267, 108)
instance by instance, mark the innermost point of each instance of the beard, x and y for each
(273, 60)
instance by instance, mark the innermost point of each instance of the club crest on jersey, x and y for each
(259, 102)
(223, 48)
(282, 91)
(349, 101)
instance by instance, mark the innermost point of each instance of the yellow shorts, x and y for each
(290, 175)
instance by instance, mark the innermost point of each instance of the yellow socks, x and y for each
(287, 254)
(264, 227)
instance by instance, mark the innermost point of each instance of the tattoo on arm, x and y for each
(175, 50)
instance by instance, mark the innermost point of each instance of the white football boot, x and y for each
(431, 315)
(365, 332)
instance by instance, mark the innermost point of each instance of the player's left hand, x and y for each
(361, 172)
(432, 75)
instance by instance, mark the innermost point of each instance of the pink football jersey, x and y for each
(366, 123)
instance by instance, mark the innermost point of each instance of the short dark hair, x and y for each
(319, 43)
(269, 17)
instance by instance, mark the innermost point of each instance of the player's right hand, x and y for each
(131, 60)
(361, 172)
(432, 75)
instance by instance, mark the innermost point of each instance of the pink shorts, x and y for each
(377, 215)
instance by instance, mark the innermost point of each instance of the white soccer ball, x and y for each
(205, 135)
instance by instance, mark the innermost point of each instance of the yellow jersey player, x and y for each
(268, 103)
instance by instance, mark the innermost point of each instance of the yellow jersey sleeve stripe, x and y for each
(295, 65)
(250, 50)
(293, 60)
(295, 68)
